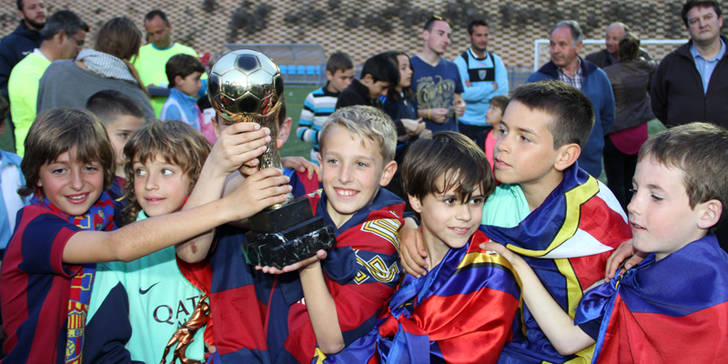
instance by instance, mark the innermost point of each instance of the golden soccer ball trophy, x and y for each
(246, 86)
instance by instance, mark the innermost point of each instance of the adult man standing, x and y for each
(153, 57)
(21, 41)
(435, 80)
(691, 83)
(610, 55)
(483, 74)
(566, 65)
(63, 36)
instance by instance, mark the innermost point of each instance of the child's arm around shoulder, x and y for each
(566, 337)
(147, 236)
(411, 249)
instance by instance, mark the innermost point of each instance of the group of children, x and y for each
(135, 228)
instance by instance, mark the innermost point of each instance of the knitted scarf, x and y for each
(99, 217)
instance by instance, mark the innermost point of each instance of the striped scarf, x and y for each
(99, 217)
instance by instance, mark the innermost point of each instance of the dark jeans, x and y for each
(619, 168)
(472, 131)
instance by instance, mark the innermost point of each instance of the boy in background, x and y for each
(637, 317)
(184, 72)
(563, 221)
(492, 118)
(321, 103)
(121, 117)
(379, 73)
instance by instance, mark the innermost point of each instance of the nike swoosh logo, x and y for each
(144, 291)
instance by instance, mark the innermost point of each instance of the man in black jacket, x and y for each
(691, 83)
(610, 55)
(21, 41)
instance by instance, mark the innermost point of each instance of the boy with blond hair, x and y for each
(356, 279)
(463, 309)
(562, 220)
(663, 309)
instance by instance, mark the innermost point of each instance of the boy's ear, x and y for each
(708, 213)
(329, 75)
(367, 79)
(566, 156)
(61, 36)
(415, 203)
(178, 79)
(387, 173)
(283, 131)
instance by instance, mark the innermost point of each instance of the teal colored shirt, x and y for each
(506, 207)
(160, 300)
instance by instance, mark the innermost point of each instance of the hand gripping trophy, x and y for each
(246, 86)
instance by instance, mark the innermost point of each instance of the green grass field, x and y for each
(295, 95)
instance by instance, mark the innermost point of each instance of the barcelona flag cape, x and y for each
(462, 311)
(566, 241)
(664, 312)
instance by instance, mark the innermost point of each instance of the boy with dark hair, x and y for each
(121, 117)
(465, 305)
(564, 221)
(183, 73)
(637, 317)
(379, 73)
(49, 265)
(320, 103)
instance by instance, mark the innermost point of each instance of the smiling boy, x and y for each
(357, 278)
(666, 308)
(463, 309)
(563, 221)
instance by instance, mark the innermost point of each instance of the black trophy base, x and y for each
(286, 235)
(289, 246)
